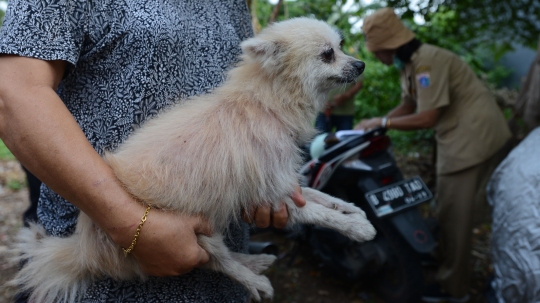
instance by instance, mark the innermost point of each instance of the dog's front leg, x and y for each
(327, 211)
(243, 268)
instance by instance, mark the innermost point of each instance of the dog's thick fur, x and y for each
(215, 155)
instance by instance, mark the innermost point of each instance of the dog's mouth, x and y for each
(350, 73)
(343, 79)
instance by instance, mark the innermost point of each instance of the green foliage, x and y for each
(320, 9)
(482, 21)
(11, 182)
(5, 154)
(2, 13)
(419, 141)
(381, 91)
(15, 184)
(442, 29)
(445, 29)
(496, 75)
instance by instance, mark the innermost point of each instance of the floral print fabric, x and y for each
(129, 59)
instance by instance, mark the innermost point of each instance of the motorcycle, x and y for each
(360, 168)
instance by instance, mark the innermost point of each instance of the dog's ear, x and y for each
(263, 51)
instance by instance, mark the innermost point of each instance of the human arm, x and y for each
(264, 216)
(422, 120)
(339, 99)
(405, 108)
(403, 117)
(40, 131)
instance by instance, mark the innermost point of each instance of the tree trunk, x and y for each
(275, 12)
(252, 4)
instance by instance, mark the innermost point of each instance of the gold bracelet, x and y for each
(143, 219)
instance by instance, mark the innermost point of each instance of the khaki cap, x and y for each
(383, 30)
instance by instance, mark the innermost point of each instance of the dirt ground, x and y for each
(298, 281)
(306, 279)
(13, 202)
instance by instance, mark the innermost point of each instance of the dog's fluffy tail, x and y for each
(61, 269)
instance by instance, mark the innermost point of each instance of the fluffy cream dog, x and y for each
(215, 155)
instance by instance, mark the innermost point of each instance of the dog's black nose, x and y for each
(360, 66)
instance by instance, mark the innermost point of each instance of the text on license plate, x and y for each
(398, 196)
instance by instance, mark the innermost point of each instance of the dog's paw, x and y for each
(356, 227)
(346, 208)
(260, 286)
(330, 212)
(350, 220)
(334, 203)
(256, 263)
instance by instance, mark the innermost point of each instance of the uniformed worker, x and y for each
(339, 111)
(441, 91)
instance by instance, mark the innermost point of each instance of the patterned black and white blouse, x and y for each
(129, 59)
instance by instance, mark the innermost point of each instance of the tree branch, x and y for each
(275, 12)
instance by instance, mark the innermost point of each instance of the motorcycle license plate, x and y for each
(398, 196)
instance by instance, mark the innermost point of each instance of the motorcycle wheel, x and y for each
(401, 279)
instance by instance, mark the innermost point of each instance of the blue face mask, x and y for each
(398, 63)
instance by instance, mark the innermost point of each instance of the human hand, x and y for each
(338, 100)
(167, 244)
(368, 124)
(328, 109)
(263, 216)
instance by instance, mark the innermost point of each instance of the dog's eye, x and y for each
(328, 55)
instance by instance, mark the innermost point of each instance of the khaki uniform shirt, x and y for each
(347, 108)
(470, 127)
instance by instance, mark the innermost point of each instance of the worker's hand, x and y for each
(167, 244)
(368, 124)
(328, 109)
(264, 216)
(338, 100)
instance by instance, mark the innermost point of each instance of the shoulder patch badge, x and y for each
(423, 80)
(423, 68)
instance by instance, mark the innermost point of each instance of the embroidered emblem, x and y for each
(423, 68)
(423, 80)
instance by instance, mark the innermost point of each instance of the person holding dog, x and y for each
(78, 78)
(441, 91)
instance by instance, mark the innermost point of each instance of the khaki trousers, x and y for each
(461, 206)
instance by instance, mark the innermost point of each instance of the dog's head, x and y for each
(303, 51)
